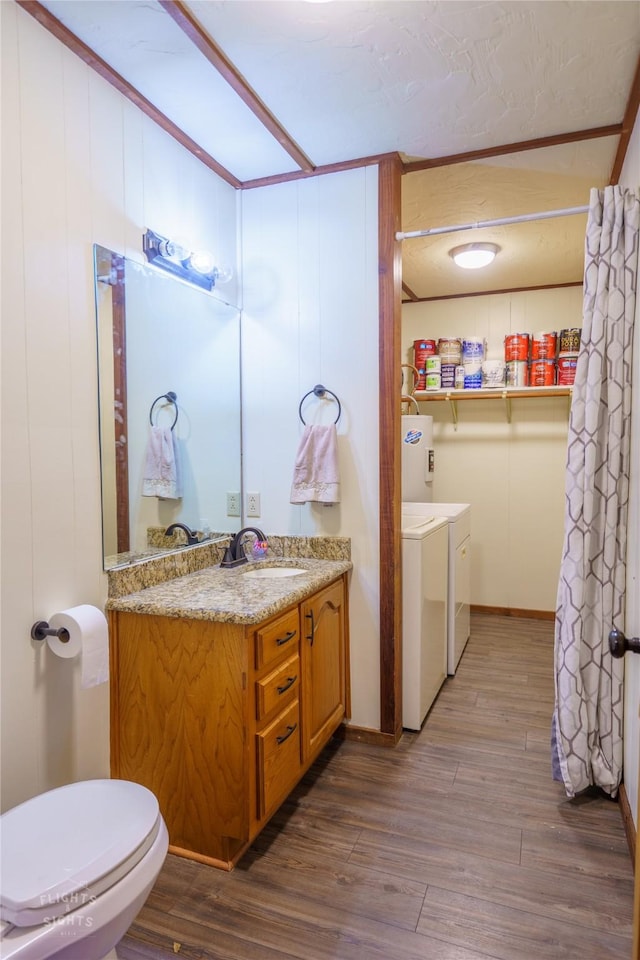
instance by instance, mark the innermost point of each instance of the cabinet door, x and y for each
(323, 658)
(178, 709)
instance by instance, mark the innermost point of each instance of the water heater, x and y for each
(417, 458)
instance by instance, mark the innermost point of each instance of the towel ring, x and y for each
(170, 397)
(320, 392)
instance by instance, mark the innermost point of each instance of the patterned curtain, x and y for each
(587, 722)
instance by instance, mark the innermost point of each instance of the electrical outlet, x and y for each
(233, 504)
(253, 504)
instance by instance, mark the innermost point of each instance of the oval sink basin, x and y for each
(273, 573)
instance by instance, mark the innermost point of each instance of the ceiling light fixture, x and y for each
(196, 266)
(471, 256)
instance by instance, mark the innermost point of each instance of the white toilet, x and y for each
(76, 865)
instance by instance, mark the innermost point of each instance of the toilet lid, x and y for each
(56, 847)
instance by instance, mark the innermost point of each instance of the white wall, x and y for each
(80, 165)
(630, 177)
(310, 268)
(512, 474)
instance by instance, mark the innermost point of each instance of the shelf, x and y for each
(506, 394)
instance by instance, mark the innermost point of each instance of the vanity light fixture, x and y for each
(196, 266)
(471, 256)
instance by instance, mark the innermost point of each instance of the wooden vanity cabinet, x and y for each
(221, 720)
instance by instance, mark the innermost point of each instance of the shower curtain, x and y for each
(587, 721)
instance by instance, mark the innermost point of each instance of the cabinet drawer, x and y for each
(278, 687)
(278, 639)
(278, 757)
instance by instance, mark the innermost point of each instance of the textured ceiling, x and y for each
(353, 79)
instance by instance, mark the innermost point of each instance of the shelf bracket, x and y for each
(507, 404)
(454, 410)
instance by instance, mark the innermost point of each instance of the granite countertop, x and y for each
(226, 596)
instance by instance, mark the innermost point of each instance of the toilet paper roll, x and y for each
(88, 636)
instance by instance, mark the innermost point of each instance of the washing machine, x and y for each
(424, 614)
(458, 517)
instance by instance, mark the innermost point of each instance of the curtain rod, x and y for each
(547, 215)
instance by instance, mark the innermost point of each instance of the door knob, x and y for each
(619, 644)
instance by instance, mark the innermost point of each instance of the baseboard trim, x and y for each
(515, 612)
(627, 819)
(365, 735)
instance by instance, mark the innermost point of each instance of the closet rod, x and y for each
(547, 215)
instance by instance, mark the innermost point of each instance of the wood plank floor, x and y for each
(456, 845)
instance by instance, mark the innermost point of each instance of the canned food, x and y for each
(433, 381)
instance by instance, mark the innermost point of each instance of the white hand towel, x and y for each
(162, 475)
(316, 476)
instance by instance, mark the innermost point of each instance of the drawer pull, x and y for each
(285, 736)
(285, 686)
(288, 636)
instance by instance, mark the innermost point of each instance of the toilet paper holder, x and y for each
(41, 630)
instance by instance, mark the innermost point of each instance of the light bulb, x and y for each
(202, 262)
(173, 250)
(223, 273)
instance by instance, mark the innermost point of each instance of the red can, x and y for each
(516, 347)
(421, 350)
(567, 370)
(542, 373)
(544, 346)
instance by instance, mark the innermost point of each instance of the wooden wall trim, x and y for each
(628, 123)
(76, 45)
(390, 318)
(514, 612)
(613, 130)
(319, 171)
(409, 293)
(182, 16)
(365, 735)
(489, 293)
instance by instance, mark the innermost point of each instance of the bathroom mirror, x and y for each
(160, 337)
